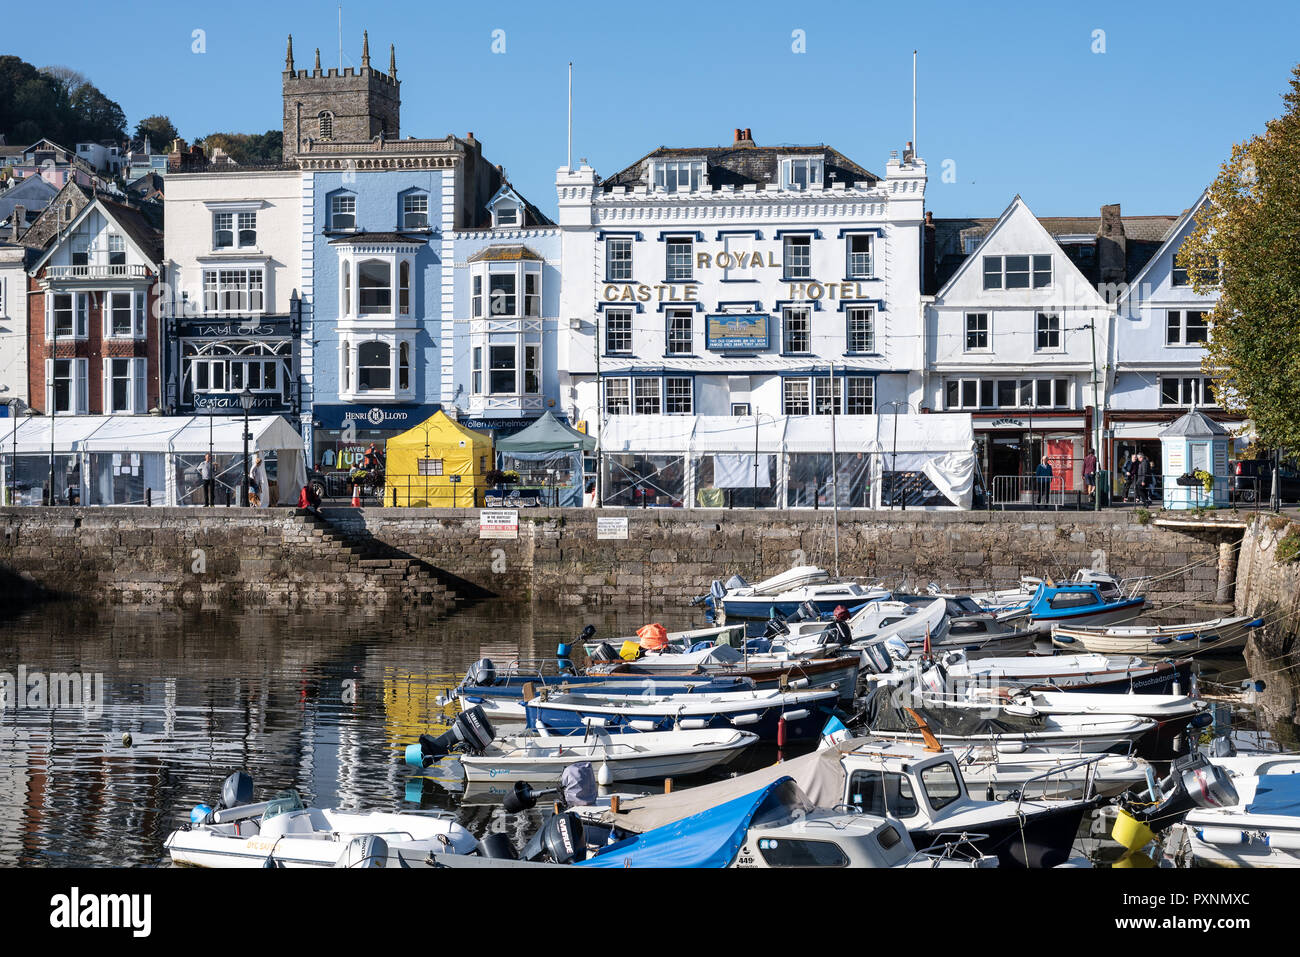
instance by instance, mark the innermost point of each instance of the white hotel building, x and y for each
(742, 281)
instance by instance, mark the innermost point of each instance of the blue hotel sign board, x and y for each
(731, 333)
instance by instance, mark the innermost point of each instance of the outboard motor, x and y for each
(525, 798)
(579, 784)
(605, 652)
(364, 850)
(735, 581)
(877, 659)
(498, 847)
(481, 674)
(471, 732)
(1192, 782)
(237, 790)
(776, 627)
(562, 839)
(898, 649)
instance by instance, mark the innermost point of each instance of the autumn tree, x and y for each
(1246, 247)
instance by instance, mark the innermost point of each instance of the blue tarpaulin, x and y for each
(708, 839)
(1276, 794)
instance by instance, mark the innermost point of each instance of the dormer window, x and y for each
(680, 176)
(802, 172)
(325, 125)
(507, 215)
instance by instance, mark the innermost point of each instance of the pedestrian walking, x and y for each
(1090, 472)
(1144, 479)
(209, 481)
(1130, 477)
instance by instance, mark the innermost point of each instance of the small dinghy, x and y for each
(542, 758)
(1094, 673)
(282, 832)
(772, 715)
(1213, 637)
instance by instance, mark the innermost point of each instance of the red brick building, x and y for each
(94, 332)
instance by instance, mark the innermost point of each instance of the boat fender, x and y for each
(798, 683)
(1186, 636)
(1201, 720)
(797, 715)
(1161, 640)
(605, 776)
(1257, 623)
(694, 724)
(1064, 639)
(1283, 841)
(199, 813)
(740, 719)
(364, 850)
(1221, 835)
(1011, 747)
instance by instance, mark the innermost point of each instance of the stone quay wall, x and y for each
(193, 556)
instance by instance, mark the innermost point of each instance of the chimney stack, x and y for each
(1112, 246)
(19, 221)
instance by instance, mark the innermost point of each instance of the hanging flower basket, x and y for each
(1188, 480)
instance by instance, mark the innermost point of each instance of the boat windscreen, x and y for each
(282, 804)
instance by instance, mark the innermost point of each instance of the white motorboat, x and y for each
(1212, 637)
(283, 832)
(1053, 775)
(542, 758)
(922, 789)
(913, 716)
(786, 592)
(1006, 598)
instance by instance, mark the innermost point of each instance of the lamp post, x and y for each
(245, 403)
(13, 458)
(893, 480)
(758, 416)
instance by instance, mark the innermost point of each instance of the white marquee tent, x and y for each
(699, 461)
(134, 460)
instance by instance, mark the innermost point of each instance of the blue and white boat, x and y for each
(503, 699)
(783, 594)
(1071, 604)
(802, 712)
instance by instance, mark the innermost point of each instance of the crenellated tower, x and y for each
(348, 106)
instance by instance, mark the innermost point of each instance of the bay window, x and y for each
(374, 288)
(374, 372)
(501, 369)
(533, 370)
(67, 315)
(124, 386)
(232, 291)
(124, 315)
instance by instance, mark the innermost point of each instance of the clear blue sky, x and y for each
(1012, 93)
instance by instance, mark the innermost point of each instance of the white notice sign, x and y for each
(611, 528)
(498, 523)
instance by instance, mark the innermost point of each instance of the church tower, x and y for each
(352, 106)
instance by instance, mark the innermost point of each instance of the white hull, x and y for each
(640, 757)
(1230, 635)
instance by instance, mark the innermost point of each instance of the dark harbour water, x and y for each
(321, 702)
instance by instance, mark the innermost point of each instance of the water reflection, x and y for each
(320, 702)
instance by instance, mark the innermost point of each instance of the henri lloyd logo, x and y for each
(76, 910)
(377, 416)
(38, 691)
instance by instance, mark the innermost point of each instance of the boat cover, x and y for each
(820, 777)
(1276, 794)
(881, 714)
(710, 838)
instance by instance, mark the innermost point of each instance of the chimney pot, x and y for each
(738, 137)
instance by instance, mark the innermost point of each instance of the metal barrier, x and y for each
(1028, 491)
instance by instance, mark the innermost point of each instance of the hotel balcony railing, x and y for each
(124, 271)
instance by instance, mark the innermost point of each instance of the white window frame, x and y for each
(865, 262)
(1194, 389)
(618, 396)
(237, 282)
(796, 256)
(986, 331)
(1040, 331)
(850, 315)
(791, 402)
(679, 176)
(865, 386)
(812, 167)
(676, 344)
(80, 315)
(1034, 267)
(677, 269)
(411, 208)
(1181, 340)
(342, 205)
(626, 327)
(614, 257)
(136, 308)
(683, 400)
(649, 390)
(223, 224)
(136, 398)
(78, 386)
(787, 314)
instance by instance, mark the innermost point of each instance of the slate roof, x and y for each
(504, 253)
(31, 192)
(1144, 235)
(361, 238)
(1195, 425)
(744, 163)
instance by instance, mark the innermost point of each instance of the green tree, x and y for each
(159, 130)
(1246, 246)
(246, 149)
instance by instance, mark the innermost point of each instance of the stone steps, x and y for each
(365, 563)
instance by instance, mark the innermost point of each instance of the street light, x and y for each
(893, 474)
(245, 403)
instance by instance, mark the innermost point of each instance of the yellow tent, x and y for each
(438, 463)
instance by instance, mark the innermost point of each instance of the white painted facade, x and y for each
(1010, 339)
(13, 327)
(649, 327)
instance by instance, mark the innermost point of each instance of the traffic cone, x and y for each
(356, 496)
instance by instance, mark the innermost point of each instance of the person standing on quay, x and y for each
(1044, 476)
(1143, 472)
(1090, 473)
(209, 483)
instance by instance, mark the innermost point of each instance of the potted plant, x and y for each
(1206, 480)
